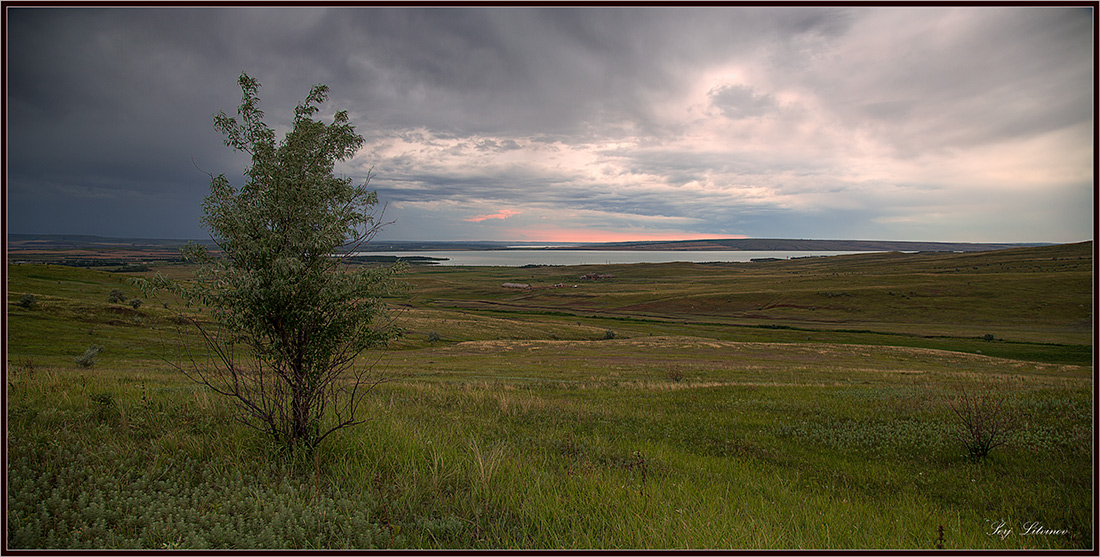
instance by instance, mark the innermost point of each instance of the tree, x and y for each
(290, 318)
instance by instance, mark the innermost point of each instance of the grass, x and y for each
(523, 427)
(1027, 294)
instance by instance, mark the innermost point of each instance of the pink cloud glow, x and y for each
(596, 236)
(502, 214)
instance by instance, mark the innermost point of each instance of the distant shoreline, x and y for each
(779, 244)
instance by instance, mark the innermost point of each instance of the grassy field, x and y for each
(790, 404)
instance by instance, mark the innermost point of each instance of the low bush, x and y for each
(116, 296)
(983, 423)
(132, 268)
(105, 405)
(28, 301)
(87, 359)
(674, 373)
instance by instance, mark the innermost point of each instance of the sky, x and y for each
(574, 124)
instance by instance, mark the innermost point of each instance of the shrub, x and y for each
(983, 423)
(87, 359)
(28, 301)
(131, 268)
(105, 405)
(609, 335)
(116, 296)
(674, 374)
(135, 303)
(434, 337)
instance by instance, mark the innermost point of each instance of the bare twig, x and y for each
(983, 422)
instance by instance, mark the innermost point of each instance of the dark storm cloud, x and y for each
(692, 117)
(107, 105)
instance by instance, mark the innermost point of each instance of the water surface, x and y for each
(520, 257)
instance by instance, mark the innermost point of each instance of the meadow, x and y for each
(802, 404)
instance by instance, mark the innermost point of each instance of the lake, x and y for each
(521, 257)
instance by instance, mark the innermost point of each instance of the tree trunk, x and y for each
(299, 409)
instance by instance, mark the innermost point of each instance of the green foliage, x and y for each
(116, 296)
(87, 359)
(132, 268)
(279, 288)
(608, 334)
(62, 497)
(135, 303)
(28, 301)
(105, 403)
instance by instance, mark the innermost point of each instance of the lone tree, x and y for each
(290, 318)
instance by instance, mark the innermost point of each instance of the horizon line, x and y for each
(645, 241)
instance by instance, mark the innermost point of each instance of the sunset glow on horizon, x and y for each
(501, 215)
(584, 236)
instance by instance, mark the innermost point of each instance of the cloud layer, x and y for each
(967, 124)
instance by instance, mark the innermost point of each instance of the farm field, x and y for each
(801, 404)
